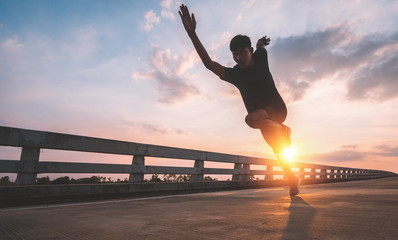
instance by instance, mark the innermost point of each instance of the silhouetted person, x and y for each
(251, 75)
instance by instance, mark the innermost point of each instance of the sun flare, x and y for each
(289, 153)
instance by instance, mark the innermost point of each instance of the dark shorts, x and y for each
(277, 113)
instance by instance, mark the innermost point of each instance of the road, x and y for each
(347, 210)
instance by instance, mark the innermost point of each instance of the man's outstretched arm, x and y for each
(190, 26)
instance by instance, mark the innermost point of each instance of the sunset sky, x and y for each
(126, 70)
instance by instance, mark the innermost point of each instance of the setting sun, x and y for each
(290, 153)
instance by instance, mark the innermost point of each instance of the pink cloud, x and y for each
(168, 71)
(149, 20)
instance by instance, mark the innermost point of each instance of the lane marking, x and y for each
(107, 201)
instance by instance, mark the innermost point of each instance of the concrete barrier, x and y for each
(29, 165)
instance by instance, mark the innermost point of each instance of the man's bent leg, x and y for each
(279, 144)
(275, 134)
(278, 137)
(259, 119)
(277, 140)
(254, 119)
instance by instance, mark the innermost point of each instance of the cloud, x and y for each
(151, 129)
(12, 45)
(231, 91)
(239, 17)
(367, 63)
(377, 81)
(164, 130)
(248, 3)
(349, 146)
(40, 54)
(166, 7)
(13, 57)
(85, 43)
(149, 20)
(168, 14)
(245, 5)
(150, 17)
(223, 40)
(169, 73)
(334, 156)
(386, 150)
(87, 34)
(143, 75)
(167, 3)
(349, 153)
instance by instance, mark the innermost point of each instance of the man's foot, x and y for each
(295, 187)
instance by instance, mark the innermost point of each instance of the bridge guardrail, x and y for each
(31, 141)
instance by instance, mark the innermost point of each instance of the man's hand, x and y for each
(188, 20)
(262, 42)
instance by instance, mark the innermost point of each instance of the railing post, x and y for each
(354, 173)
(236, 166)
(270, 173)
(323, 173)
(302, 173)
(30, 162)
(199, 166)
(313, 173)
(138, 166)
(246, 168)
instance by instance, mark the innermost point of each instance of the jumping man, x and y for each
(251, 75)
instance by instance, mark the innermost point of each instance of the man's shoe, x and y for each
(295, 187)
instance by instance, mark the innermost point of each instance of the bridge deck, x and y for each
(350, 210)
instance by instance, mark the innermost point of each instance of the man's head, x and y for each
(242, 50)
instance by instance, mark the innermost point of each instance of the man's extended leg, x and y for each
(279, 144)
(278, 137)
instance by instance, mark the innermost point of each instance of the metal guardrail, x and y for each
(32, 141)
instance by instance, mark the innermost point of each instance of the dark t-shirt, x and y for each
(257, 86)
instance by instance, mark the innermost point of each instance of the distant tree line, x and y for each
(5, 181)
(176, 178)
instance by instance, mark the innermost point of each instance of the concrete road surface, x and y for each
(351, 210)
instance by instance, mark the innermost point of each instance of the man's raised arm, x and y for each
(190, 26)
(262, 42)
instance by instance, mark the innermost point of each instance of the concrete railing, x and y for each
(29, 165)
(31, 142)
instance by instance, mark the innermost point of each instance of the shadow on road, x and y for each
(300, 219)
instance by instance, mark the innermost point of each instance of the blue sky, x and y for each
(127, 70)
